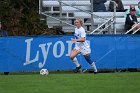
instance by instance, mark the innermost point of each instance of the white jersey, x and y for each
(83, 47)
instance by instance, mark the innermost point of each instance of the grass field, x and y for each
(71, 83)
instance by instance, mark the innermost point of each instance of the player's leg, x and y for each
(91, 62)
(86, 53)
(73, 55)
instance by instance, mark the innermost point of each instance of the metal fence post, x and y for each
(60, 7)
(114, 14)
(40, 4)
(92, 20)
(109, 28)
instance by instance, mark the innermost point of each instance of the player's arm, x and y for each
(82, 39)
(82, 35)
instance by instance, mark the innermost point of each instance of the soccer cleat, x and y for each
(84, 70)
(78, 69)
(95, 72)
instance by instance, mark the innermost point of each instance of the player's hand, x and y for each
(73, 40)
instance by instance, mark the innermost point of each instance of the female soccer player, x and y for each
(81, 46)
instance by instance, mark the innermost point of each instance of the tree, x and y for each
(20, 17)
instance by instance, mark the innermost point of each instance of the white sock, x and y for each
(75, 61)
(94, 66)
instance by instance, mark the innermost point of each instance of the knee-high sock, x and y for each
(94, 67)
(88, 59)
(75, 61)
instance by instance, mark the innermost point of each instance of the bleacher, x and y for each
(51, 7)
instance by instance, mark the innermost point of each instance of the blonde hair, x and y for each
(80, 20)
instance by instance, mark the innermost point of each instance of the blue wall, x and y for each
(34, 53)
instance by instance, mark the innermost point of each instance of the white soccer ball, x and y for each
(44, 72)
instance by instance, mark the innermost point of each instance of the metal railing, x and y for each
(40, 4)
(91, 13)
(136, 31)
(114, 17)
(110, 22)
(57, 19)
(133, 28)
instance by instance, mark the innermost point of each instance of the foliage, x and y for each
(20, 17)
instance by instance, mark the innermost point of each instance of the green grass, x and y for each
(71, 83)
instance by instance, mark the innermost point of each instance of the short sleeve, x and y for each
(83, 33)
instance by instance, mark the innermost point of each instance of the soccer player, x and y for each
(81, 46)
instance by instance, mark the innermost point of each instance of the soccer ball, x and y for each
(44, 72)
